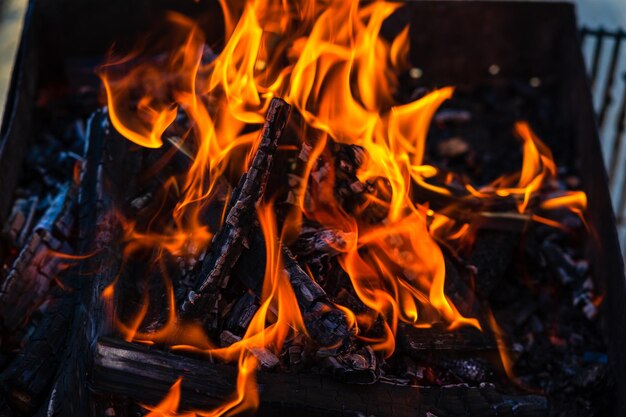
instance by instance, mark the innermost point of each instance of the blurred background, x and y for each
(11, 19)
(593, 13)
(603, 43)
(609, 13)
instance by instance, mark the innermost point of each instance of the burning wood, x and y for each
(120, 368)
(352, 250)
(231, 239)
(326, 324)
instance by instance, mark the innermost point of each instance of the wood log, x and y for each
(323, 241)
(20, 221)
(326, 324)
(144, 374)
(27, 380)
(241, 314)
(100, 233)
(414, 342)
(33, 271)
(229, 242)
(358, 367)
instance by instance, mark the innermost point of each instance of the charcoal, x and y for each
(561, 264)
(470, 370)
(227, 338)
(267, 360)
(453, 147)
(458, 289)
(308, 292)
(534, 277)
(492, 254)
(584, 302)
(359, 367)
(321, 241)
(295, 351)
(452, 116)
(326, 324)
(241, 314)
(591, 376)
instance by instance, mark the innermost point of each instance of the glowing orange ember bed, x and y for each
(307, 208)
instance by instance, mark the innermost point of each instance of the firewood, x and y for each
(100, 233)
(144, 375)
(414, 342)
(229, 242)
(360, 367)
(321, 241)
(27, 380)
(20, 221)
(241, 314)
(34, 269)
(324, 322)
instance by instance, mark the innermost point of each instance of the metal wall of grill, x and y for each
(605, 55)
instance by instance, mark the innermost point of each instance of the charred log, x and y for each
(414, 341)
(145, 375)
(325, 323)
(229, 242)
(360, 367)
(27, 380)
(20, 221)
(33, 271)
(100, 234)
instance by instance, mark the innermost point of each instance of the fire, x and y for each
(329, 61)
(169, 405)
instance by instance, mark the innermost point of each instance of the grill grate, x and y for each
(606, 62)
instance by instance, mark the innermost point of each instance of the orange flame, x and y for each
(330, 62)
(168, 406)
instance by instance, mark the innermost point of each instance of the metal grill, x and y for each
(606, 63)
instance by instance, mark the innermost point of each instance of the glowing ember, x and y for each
(329, 61)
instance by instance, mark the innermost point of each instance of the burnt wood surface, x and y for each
(418, 342)
(100, 235)
(146, 374)
(230, 240)
(34, 270)
(26, 382)
(326, 324)
(556, 56)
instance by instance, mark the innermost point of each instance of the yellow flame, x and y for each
(330, 62)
